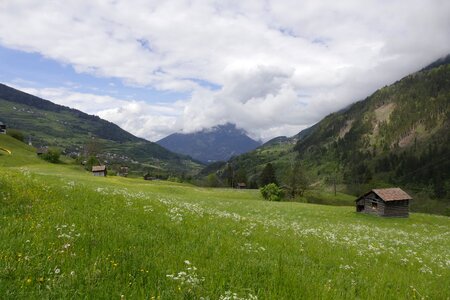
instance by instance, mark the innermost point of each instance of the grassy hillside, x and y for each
(49, 124)
(66, 234)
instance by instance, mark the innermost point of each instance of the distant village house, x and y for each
(2, 128)
(42, 150)
(391, 202)
(241, 185)
(99, 171)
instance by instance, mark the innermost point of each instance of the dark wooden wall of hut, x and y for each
(397, 208)
(383, 208)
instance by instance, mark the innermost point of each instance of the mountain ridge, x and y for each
(210, 145)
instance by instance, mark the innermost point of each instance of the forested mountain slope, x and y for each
(398, 136)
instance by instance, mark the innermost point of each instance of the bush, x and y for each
(17, 134)
(174, 179)
(52, 155)
(271, 192)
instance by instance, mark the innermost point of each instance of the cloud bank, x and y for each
(271, 67)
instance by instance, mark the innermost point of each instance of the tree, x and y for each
(268, 175)
(212, 180)
(17, 134)
(92, 147)
(271, 192)
(230, 174)
(241, 176)
(91, 161)
(296, 182)
(52, 155)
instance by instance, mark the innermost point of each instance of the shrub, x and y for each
(52, 155)
(17, 134)
(271, 192)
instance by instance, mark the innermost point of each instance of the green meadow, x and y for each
(65, 234)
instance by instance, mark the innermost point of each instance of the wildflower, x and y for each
(188, 277)
(57, 270)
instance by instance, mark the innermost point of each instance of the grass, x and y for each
(328, 198)
(65, 234)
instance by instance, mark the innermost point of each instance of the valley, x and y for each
(65, 233)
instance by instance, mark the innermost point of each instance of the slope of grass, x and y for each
(66, 234)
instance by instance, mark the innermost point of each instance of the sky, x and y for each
(272, 67)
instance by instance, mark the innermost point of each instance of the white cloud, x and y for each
(151, 121)
(280, 65)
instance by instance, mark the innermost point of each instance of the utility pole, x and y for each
(334, 183)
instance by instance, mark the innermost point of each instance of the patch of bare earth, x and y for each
(344, 130)
(382, 114)
(407, 140)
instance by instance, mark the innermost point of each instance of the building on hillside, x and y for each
(123, 171)
(392, 202)
(41, 150)
(241, 185)
(2, 128)
(99, 171)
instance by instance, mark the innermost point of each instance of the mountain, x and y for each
(216, 144)
(45, 123)
(398, 136)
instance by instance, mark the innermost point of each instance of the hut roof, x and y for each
(390, 194)
(98, 168)
(42, 150)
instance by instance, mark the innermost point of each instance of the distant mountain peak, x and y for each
(217, 143)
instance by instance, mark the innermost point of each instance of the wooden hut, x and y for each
(241, 185)
(41, 150)
(99, 170)
(123, 171)
(2, 128)
(392, 202)
(147, 176)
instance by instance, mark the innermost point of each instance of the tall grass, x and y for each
(65, 234)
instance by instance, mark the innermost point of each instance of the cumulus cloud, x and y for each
(152, 121)
(278, 65)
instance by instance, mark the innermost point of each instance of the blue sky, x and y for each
(34, 70)
(271, 67)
